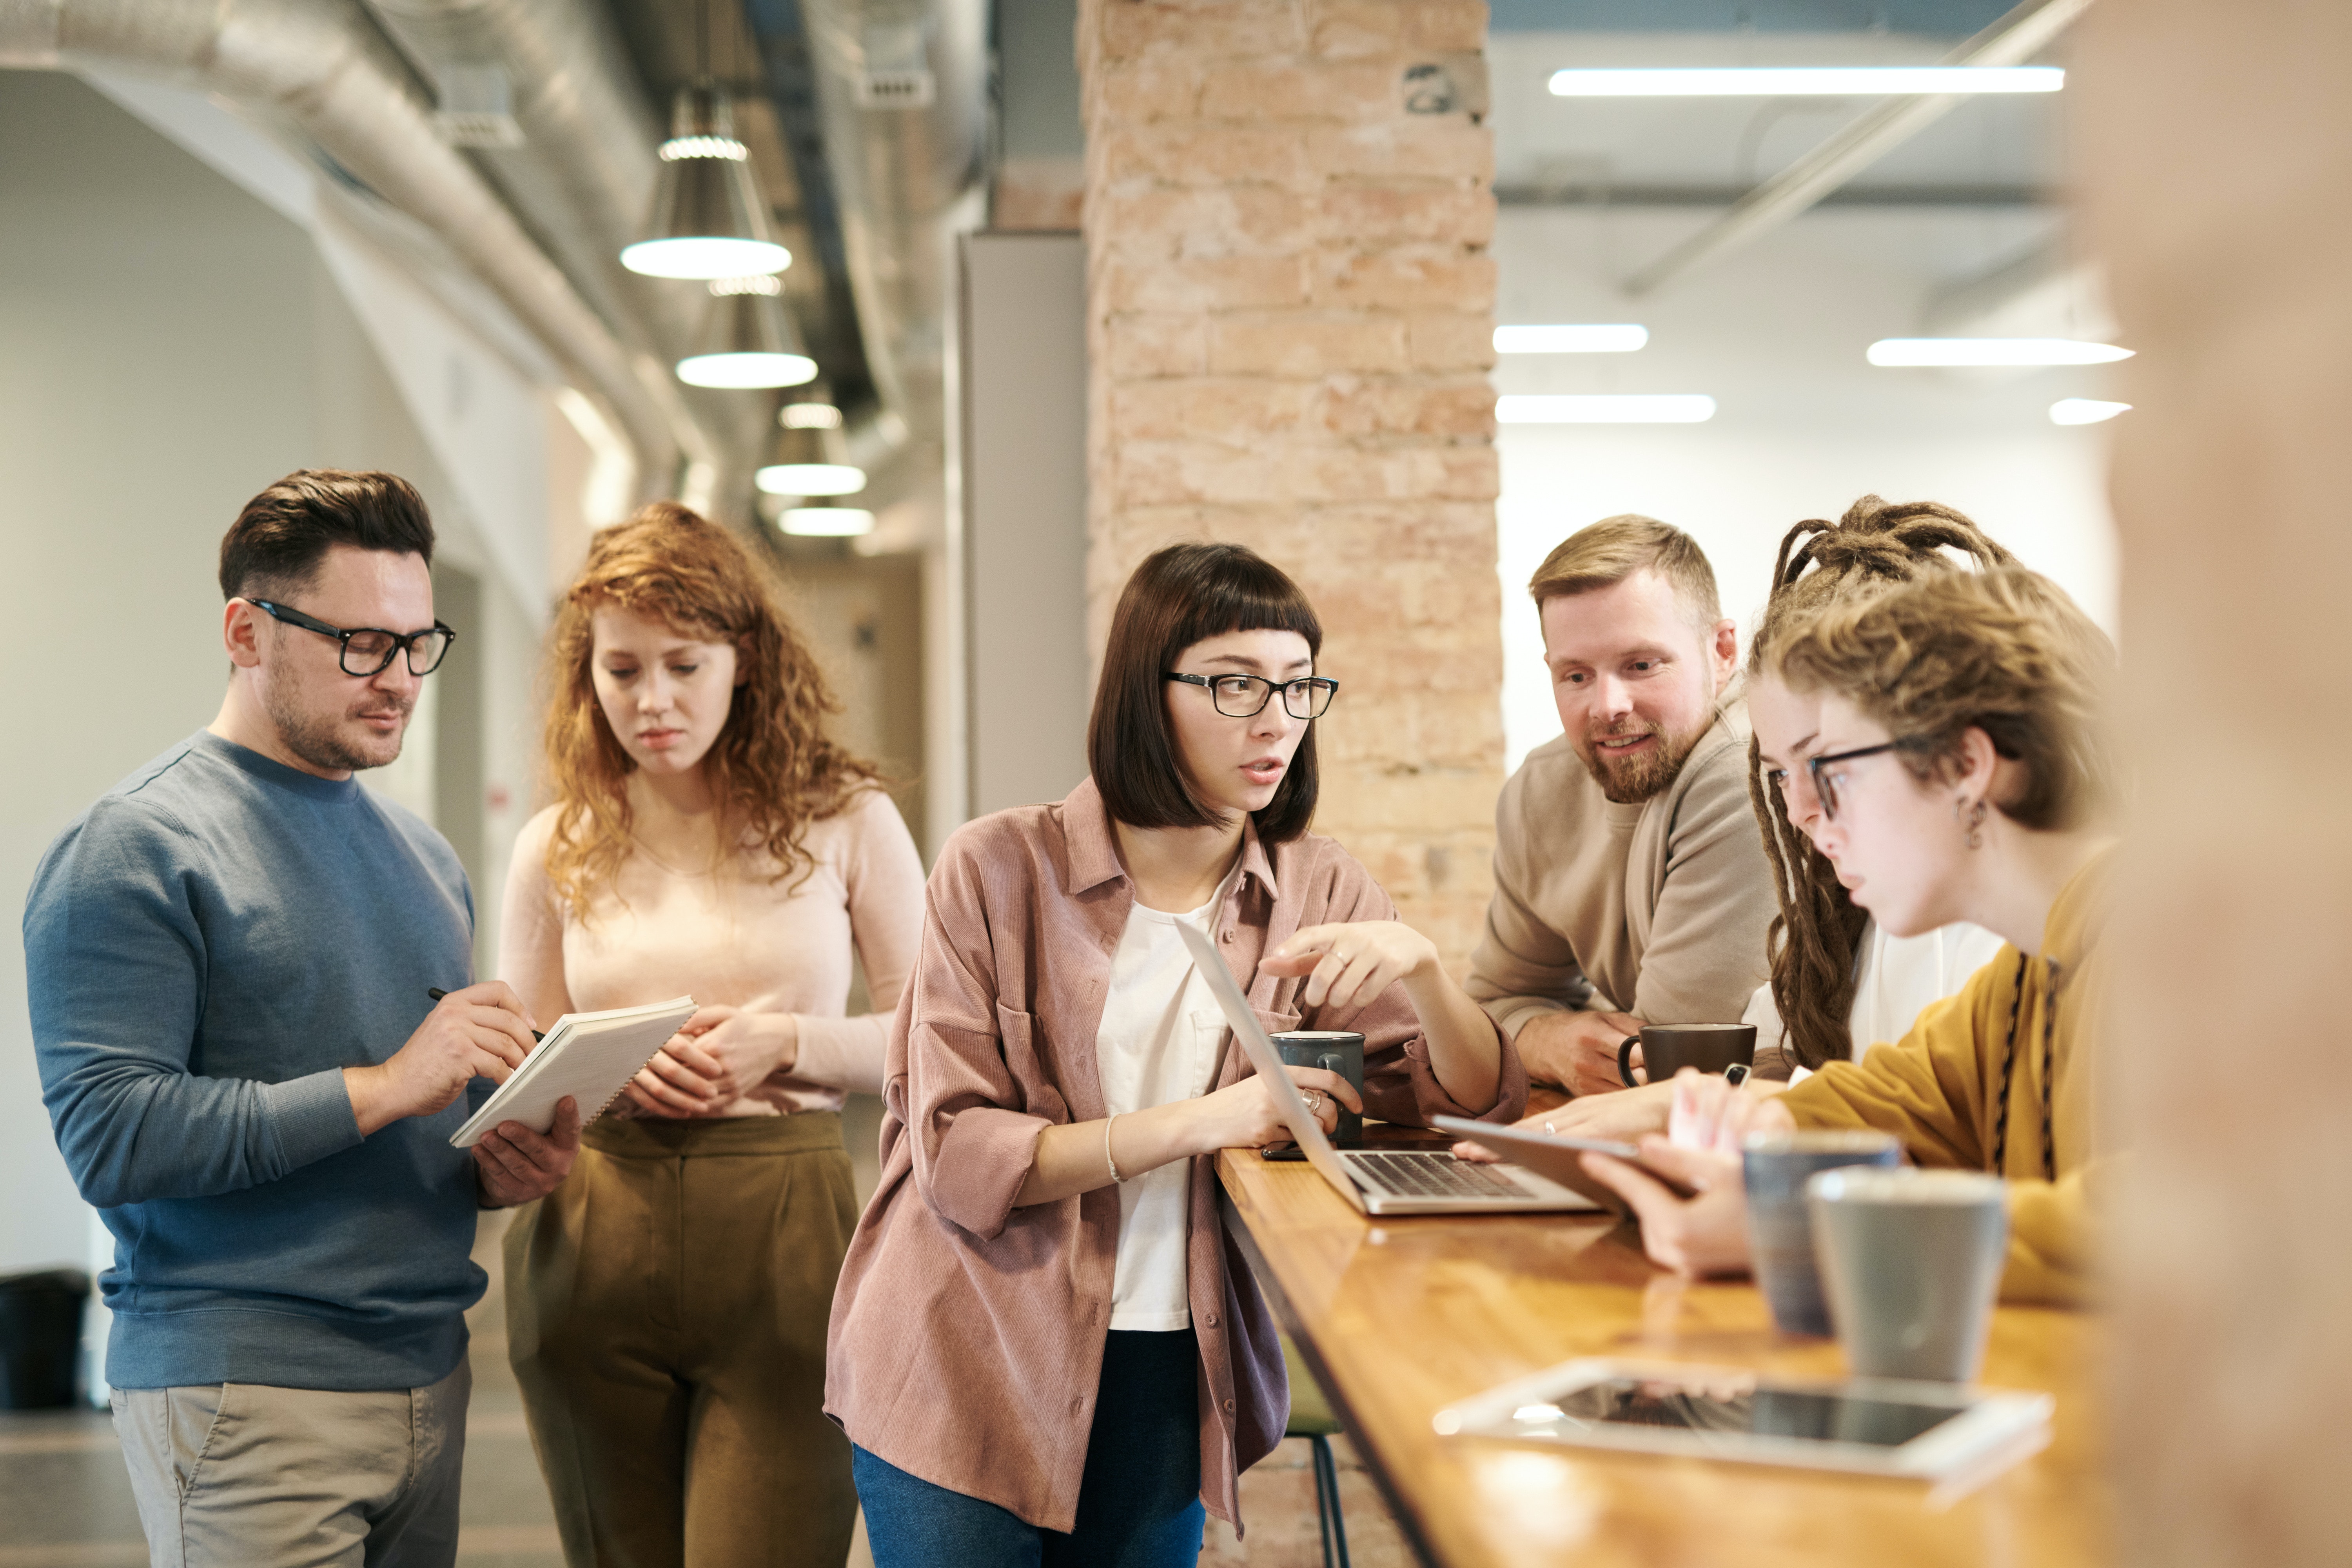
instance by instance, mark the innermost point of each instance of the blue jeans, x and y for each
(1139, 1504)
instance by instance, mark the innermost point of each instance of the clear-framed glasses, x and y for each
(369, 650)
(1825, 785)
(1245, 696)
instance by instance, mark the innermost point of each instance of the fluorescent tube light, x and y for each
(1579, 338)
(1603, 408)
(1993, 351)
(1802, 82)
(827, 522)
(2083, 410)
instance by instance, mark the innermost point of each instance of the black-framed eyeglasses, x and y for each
(1245, 696)
(369, 650)
(1825, 785)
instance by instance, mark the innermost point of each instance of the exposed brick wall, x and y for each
(1290, 322)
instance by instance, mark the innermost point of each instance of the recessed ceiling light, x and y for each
(2083, 410)
(1992, 352)
(827, 522)
(1575, 337)
(1802, 82)
(1603, 408)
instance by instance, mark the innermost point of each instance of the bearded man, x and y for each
(1631, 883)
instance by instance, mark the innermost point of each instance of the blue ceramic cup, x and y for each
(1777, 1165)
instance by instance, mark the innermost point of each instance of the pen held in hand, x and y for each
(436, 994)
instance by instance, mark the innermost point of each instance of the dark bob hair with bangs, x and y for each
(1181, 595)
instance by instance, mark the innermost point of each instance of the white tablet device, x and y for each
(1930, 1431)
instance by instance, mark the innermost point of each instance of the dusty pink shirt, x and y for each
(737, 937)
(967, 1337)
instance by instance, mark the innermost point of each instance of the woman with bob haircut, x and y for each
(665, 1306)
(1956, 770)
(1044, 1347)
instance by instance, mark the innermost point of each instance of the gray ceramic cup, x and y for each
(1776, 1166)
(1333, 1051)
(1912, 1261)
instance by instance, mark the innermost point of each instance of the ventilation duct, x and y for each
(321, 68)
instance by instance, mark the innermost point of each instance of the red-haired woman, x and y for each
(666, 1307)
(1044, 1347)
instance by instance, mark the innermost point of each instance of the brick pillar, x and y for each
(1290, 313)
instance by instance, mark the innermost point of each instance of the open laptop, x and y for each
(1377, 1181)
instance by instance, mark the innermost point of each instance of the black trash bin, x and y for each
(40, 1338)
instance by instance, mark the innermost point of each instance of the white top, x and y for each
(1161, 1029)
(1895, 978)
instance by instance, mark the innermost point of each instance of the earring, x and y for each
(1976, 825)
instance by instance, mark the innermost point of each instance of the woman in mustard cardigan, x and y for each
(1953, 769)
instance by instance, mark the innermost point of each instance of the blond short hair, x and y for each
(1614, 548)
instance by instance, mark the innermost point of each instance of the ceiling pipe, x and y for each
(902, 89)
(321, 67)
(2015, 37)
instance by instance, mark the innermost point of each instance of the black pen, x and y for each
(436, 994)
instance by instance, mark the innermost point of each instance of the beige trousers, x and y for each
(665, 1313)
(243, 1475)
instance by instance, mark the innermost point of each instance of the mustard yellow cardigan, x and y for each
(1940, 1089)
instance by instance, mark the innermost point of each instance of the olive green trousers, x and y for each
(666, 1316)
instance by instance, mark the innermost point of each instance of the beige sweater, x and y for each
(743, 941)
(1658, 910)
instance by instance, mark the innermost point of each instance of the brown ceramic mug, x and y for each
(1667, 1048)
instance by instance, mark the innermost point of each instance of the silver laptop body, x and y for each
(1377, 1181)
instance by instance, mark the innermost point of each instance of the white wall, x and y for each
(169, 344)
(1776, 334)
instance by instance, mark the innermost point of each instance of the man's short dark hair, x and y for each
(1179, 596)
(274, 548)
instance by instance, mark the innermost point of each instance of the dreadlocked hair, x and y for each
(1814, 940)
(773, 766)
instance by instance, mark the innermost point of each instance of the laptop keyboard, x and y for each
(1406, 1174)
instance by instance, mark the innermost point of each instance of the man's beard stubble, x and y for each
(315, 738)
(1630, 781)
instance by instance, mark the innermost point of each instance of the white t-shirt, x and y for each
(1161, 1029)
(1894, 979)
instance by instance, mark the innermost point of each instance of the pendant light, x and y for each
(827, 522)
(747, 340)
(709, 220)
(810, 461)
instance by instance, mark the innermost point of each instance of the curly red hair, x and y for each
(773, 768)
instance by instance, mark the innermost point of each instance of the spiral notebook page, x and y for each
(589, 1056)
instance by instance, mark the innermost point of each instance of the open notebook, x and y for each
(588, 1055)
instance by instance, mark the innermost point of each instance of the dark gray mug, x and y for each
(1333, 1051)
(1776, 1166)
(1667, 1048)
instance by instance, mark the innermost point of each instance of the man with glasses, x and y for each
(1631, 882)
(227, 958)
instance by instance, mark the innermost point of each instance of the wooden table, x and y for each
(1400, 1317)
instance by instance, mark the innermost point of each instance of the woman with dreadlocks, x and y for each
(1953, 768)
(1841, 981)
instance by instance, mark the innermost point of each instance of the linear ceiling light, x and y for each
(2084, 410)
(1578, 338)
(1992, 352)
(1608, 408)
(1803, 81)
(827, 522)
(708, 219)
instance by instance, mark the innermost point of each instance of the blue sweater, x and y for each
(205, 950)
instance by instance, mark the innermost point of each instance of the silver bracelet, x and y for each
(1115, 1176)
